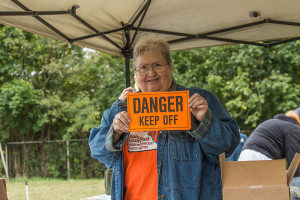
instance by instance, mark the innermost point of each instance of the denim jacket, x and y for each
(188, 166)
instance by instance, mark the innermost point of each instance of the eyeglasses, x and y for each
(145, 69)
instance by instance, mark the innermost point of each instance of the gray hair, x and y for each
(152, 43)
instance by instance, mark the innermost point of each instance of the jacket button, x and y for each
(162, 196)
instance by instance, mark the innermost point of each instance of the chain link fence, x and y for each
(49, 159)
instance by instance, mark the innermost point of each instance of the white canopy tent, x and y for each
(113, 26)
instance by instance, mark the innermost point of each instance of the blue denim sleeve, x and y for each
(97, 139)
(223, 133)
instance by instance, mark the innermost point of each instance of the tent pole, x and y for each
(127, 65)
(6, 157)
(4, 164)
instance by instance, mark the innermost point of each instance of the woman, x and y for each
(171, 164)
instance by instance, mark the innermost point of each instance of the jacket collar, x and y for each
(285, 118)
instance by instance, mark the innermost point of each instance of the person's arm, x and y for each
(98, 139)
(217, 132)
(107, 141)
(123, 95)
(292, 145)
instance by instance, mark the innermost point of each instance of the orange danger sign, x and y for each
(159, 111)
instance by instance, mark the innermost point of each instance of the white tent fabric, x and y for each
(113, 26)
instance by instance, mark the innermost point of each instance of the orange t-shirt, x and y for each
(140, 166)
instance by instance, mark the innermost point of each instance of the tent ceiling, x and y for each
(113, 26)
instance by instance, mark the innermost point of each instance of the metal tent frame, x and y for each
(136, 26)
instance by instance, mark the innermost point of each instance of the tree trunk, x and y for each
(43, 160)
(82, 160)
(48, 131)
(25, 161)
(16, 162)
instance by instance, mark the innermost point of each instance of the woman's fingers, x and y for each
(198, 106)
(121, 122)
(123, 96)
(196, 100)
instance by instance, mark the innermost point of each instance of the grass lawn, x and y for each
(42, 189)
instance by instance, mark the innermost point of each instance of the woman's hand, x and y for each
(123, 96)
(121, 123)
(198, 106)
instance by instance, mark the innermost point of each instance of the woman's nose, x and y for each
(151, 71)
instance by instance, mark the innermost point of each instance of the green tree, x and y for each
(58, 71)
(51, 90)
(254, 83)
(106, 78)
(20, 114)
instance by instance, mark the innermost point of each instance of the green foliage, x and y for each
(254, 83)
(19, 108)
(107, 78)
(46, 94)
(85, 118)
(51, 90)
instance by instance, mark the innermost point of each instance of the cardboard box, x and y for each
(257, 180)
(3, 193)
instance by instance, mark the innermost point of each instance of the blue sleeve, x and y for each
(236, 154)
(223, 134)
(97, 139)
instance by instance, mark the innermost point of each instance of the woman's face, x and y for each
(154, 80)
